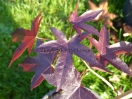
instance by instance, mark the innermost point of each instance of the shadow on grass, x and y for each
(7, 22)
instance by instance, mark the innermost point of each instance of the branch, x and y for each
(103, 79)
(42, 38)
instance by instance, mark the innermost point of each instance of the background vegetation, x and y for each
(14, 83)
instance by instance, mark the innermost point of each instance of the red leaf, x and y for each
(27, 38)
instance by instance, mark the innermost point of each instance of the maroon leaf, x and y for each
(27, 37)
(40, 64)
(109, 52)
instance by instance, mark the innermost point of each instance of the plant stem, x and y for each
(82, 74)
(42, 38)
(103, 79)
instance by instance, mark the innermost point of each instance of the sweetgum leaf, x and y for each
(64, 67)
(77, 93)
(71, 88)
(103, 41)
(118, 63)
(18, 35)
(78, 21)
(87, 16)
(40, 64)
(64, 74)
(104, 63)
(74, 14)
(109, 52)
(120, 47)
(88, 28)
(73, 46)
(61, 38)
(27, 38)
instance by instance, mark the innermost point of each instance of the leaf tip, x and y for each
(10, 63)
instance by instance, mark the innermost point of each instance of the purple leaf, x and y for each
(103, 62)
(65, 74)
(108, 53)
(103, 41)
(86, 54)
(61, 38)
(78, 21)
(64, 67)
(120, 48)
(74, 14)
(74, 47)
(118, 63)
(82, 93)
(48, 47)
(50, 78)
(71, 87)
(64, 71)
(40, 64)
(87, 16)
(88, 28)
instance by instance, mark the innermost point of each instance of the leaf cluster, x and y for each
(63, 75)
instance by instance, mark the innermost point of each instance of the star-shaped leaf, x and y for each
(40, 64)
(109, 52)
(72, 88)
(78, 21)
(67, 48)
(73, 46)
(27, 38)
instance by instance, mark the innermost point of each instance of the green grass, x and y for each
(14, 83)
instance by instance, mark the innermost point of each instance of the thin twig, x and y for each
(83, 73)
(103, 79)
(42, 38)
